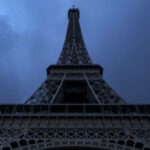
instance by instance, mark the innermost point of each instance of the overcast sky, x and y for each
(116, 34)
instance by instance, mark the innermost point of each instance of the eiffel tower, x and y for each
(74, 108)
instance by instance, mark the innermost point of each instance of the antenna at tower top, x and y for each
(73, 6)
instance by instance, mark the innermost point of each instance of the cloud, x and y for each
(9, 81)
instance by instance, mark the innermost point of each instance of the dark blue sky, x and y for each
(116, 34)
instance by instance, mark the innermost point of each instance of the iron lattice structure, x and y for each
(74, 108)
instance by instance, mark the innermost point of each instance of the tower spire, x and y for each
(74, 37)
